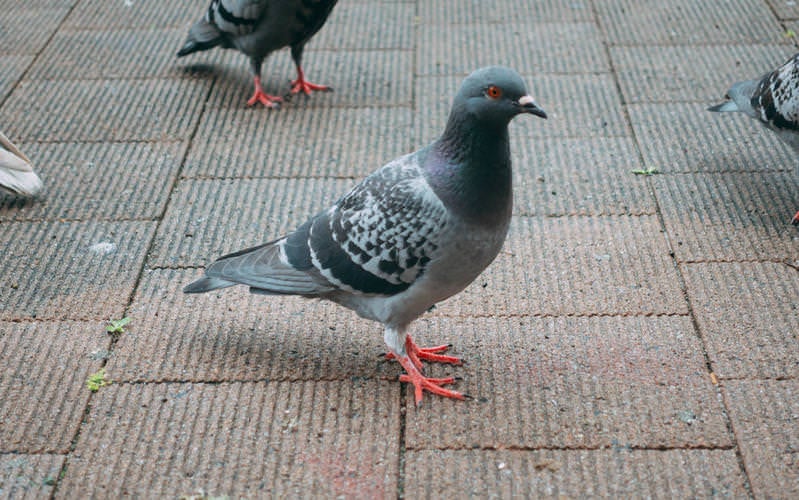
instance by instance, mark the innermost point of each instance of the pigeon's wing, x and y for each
(776, 97)
(379, 238)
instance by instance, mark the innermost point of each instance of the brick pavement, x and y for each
(637, 337)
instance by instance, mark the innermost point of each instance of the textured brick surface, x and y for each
(576, 265)
(104, 181)
(730, 216)
(234, 335)
(570, 383)
(688, 22)
(685, 137)
(13, 68)
(689, 73)
(44, 363)
(474, 12)
(533, 47)
(80, 270)
(141, 14)
(616, 472)
(292, 142)
(318, 439)
(39, 22)
(97, 110)
(764, 415)
(210, 218)
(748, 316)
(367, 25)
(29, 476)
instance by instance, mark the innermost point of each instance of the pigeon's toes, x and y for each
(795, 220)
(269, 101)
(417, 354)
(422, 383)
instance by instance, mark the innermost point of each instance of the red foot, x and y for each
(422, 383)
(303, 85)
(269, 101)
(417, 353)
(795, 220)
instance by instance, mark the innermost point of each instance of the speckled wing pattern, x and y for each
(776, 98)
(379, 237)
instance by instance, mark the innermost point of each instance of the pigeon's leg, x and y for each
(301, 84)
(269, 101)
(795, 220)
(417, 354)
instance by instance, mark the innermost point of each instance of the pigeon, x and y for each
(413, 233)
(773, 100)
(257, 28)
(16, 173)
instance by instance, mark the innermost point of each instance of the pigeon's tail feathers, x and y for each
(206, 284)
(726, 106)
(267, 270)
(202, 36)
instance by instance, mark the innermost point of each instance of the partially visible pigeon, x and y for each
(257, 28)
(412, 234)
(773, 100)
(16, 173)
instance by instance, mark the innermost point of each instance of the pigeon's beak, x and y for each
(528, 105)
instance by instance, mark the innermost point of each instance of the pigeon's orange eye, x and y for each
(494, 92)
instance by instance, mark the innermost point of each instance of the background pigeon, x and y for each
(257, 28)
(16, 173)
(773, 100)
(414, 233)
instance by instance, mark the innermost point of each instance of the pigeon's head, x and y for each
(495, 95)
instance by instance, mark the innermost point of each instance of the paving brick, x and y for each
(747, 312)
(208, 219)
(764, 415)
(99, 181)
(234, 335)
(579, 176)
(298, 142)
(576, 266)
(683, 137)
(43, 392)
(576, 105)
(529, 48)
(141, 14)
(570, 382)
(29, 476)
(40, 22)
(317, 439)
(691, 73)
(76, 270)
(13, 68)
(359, 78)
(688, 22)
(785, 9)
(117, 53)
(730, 216)
(367, 25)
(438, 12)
(97, 110)
(618, 473)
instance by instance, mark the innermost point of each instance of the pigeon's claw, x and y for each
(422, 383)
(795, 220)
(417, 354)
(269, 101)
(304, 86)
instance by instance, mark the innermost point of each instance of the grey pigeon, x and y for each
(773, 100)
(412, 234)
(16, 171)
(257, 28)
